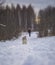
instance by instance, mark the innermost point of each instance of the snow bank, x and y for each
(37, 51)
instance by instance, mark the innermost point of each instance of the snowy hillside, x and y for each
(37, 51)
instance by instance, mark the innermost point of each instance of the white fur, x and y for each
(24, 40)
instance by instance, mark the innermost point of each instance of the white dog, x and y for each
(24, 40)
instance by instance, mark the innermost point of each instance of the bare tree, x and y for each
(47, 21)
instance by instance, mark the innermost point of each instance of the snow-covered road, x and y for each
(37, 51)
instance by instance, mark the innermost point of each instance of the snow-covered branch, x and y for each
(2, 25)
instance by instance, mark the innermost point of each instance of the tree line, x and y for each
(13, 20)
(47, 21)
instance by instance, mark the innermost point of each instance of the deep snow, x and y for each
(37, 51)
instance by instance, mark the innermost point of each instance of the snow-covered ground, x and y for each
(37, 51)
